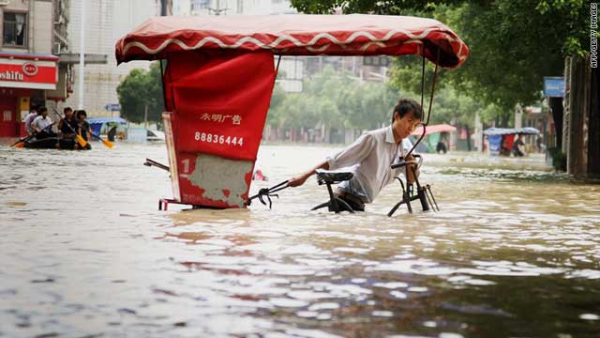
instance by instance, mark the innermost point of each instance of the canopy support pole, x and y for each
(163, 69)
(277, 68)
(422, 100)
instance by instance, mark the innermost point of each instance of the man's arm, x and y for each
(60, 124)
(351, 155)
(34, 125)
(410, 175)
(299, 180)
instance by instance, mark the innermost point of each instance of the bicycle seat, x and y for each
(332, 177)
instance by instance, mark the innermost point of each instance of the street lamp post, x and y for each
(81, 55)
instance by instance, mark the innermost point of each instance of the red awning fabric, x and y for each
(436, 128)
(297, 34)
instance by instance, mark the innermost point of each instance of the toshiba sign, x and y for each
(20, 72)
(11, 76)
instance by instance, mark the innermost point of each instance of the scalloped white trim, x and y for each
(309, 46)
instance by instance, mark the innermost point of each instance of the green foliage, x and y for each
(513, 44)
(340, 101)
(573, 17)
(333, 101)
(559, 159)
(385, 7)
(512, 48)
(141, 88)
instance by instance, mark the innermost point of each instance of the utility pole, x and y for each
(146, 116)
(82, 56)
(163, 7)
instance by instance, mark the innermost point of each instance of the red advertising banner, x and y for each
(28, 74)
(218, 107)
(221, 101)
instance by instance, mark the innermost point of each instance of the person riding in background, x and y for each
(83, 128)
(33, 113)
(371, 156)
(68, 121)
(41, 123)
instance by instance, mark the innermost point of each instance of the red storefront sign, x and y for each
(22, 72)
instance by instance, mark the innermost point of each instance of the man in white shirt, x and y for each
(40, 124)
(371, 156)
(29, 118)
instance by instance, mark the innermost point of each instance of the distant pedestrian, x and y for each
(441, 147)
(112, 133)
(33, 113)
(519, 147)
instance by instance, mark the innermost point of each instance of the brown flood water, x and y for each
(84, 252)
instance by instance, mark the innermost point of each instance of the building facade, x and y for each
(232, 7)
(29, 63)
(106, 21)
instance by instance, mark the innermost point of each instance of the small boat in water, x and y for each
(55, 143)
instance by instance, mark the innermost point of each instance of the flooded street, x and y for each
(84, 252)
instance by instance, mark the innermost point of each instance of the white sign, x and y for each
(7, 116)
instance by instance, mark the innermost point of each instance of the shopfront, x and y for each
(23, 78)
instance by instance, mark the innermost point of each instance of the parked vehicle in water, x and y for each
(155, 135)
(501, 140)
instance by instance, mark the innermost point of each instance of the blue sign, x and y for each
(495, 142)
(554, 87)
(113, 107)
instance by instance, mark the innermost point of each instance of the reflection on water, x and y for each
(85, 252)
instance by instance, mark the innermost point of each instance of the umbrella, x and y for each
(436, 128)
(509, 131)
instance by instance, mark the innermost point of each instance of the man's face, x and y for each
(44, 113)
(69, 114)
(405, 125)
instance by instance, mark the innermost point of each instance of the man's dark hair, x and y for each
(405, 106)
(81, 113)
(42, 109)
(66, 109)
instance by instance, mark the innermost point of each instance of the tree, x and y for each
(139, 89)
(385, 7)
(513, 44)
(333, 102)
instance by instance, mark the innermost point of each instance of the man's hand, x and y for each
(410, 169)
(298, 180)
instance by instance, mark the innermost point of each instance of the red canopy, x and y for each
(436, 128)
(355, 34)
